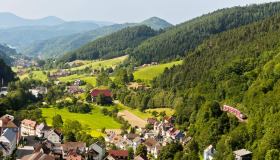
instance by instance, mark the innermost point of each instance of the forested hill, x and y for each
(6, 73)
(57, 46)
(240, 68)
(156, 23)
(113, 45)
(178, 40)
(6, 53)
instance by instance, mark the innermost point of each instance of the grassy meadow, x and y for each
(95, 120)
(150, 72)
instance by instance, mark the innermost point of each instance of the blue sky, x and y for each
(174, 11)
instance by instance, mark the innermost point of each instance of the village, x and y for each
(29, 140)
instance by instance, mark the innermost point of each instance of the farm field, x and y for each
(147, 113)
(95, 120)
(150, 72)
(88, 79)
(36, 75)
(103, 63)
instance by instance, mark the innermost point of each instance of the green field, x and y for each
(95, 120)
(103, 63)
(37, 75)
(150, 72)
(88, 79)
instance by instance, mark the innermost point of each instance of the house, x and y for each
(38, 91)
(69, 147)
(136, 86)
(38, 156)
(175, 134)
(78, 82)
(150, 143)
(242, 154)
(151, 121)
(8, 141)
(208, 153)
(130, 136)
(41, 129)
(156, 150)
(238, 114)
(117, 155)
(28, 127)
(54, 136)
(96, 151)
(3, 91)
(74, 90)
(105, 92)
(136, 142)
(74, 156)
(6, 122)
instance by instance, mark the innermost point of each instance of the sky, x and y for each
(118, 11)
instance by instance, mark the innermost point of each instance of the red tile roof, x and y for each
(118, 153)
(105, 92)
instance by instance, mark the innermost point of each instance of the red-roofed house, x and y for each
(28, 127)
(117, 155)
(107, 94)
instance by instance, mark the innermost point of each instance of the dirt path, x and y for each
(132, 119)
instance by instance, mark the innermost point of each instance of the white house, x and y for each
(208, 153)
(8, 141)
(28, 127)
(96, 151)
(53, 136)
(41, 129)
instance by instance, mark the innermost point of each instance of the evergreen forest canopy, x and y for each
(178, 40)
(114, 45)
(241, 68)
(6, 73)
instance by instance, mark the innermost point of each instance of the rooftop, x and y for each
(242, 152)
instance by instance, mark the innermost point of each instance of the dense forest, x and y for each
(113, 45)
(178, 40)
(6, 53)
(239, 67)
(6, 73)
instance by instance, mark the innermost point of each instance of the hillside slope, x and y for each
(7, 54)
(6, 73)
(113, 45)
(57, 46)
(18, 38)
(240, 68)
(9, 20)
(178, 40)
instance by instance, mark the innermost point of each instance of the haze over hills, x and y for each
(7, 54)
(9, 20)
(20, 32)
(57, 46)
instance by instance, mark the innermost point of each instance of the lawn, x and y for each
(95, 120)
(150, 72)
